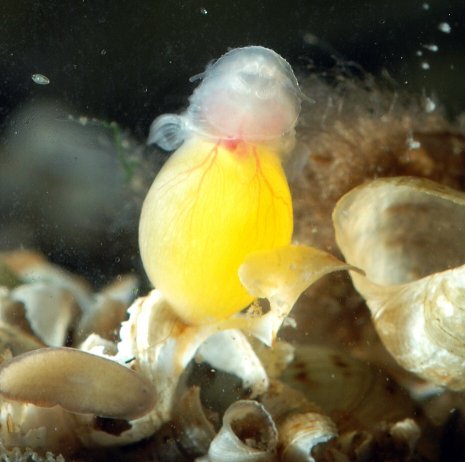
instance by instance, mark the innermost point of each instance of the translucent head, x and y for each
(249, 94)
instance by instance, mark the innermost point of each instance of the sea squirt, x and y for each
(223, 194)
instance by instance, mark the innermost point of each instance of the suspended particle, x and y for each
(40, 79)
(429, 105)
(444, 27)
(431, 47)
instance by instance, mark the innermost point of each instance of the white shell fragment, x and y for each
(407, 235)
(49, 309)
(76, 381)
(160, 346)
(32, 267)
(230, 352)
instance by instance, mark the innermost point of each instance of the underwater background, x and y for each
(81, 82)
(127, 62)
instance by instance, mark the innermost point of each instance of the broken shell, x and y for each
(76, 381)
(30, 266)
(407, 235)
(43, 429)
(399, 440)
(301, 424)
(248, 434)
(281, 275)
(195, 431)
(231, 352)
(353, 393)
(300, 433)
(160, 346)
(17, 454)
(50, 310)
(16, 340)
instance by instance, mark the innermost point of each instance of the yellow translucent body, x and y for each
(209, 207)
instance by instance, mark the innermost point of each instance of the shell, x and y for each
(195, 431)
(280, 276)
(160, 346)
(248, 434)
(407, 235)
(299, 433)
(397, 440)
(50, 310)
(356, 395)
(301, 424)
(27, 426)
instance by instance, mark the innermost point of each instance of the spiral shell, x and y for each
(248, 434)
(407, 235)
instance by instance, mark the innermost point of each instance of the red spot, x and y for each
(230, 145)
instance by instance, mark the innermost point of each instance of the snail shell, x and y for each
(407, 235)
(248, 434)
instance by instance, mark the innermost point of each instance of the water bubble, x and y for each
(425, 65)
(203, 11)
(40, 79)
(419, 53)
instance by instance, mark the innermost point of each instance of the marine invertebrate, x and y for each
(407, 235)
(248, 94)
(223, 195)
(72, 379)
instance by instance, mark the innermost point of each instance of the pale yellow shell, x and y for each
(407, 234)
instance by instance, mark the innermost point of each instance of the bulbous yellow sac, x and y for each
(211, 205)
